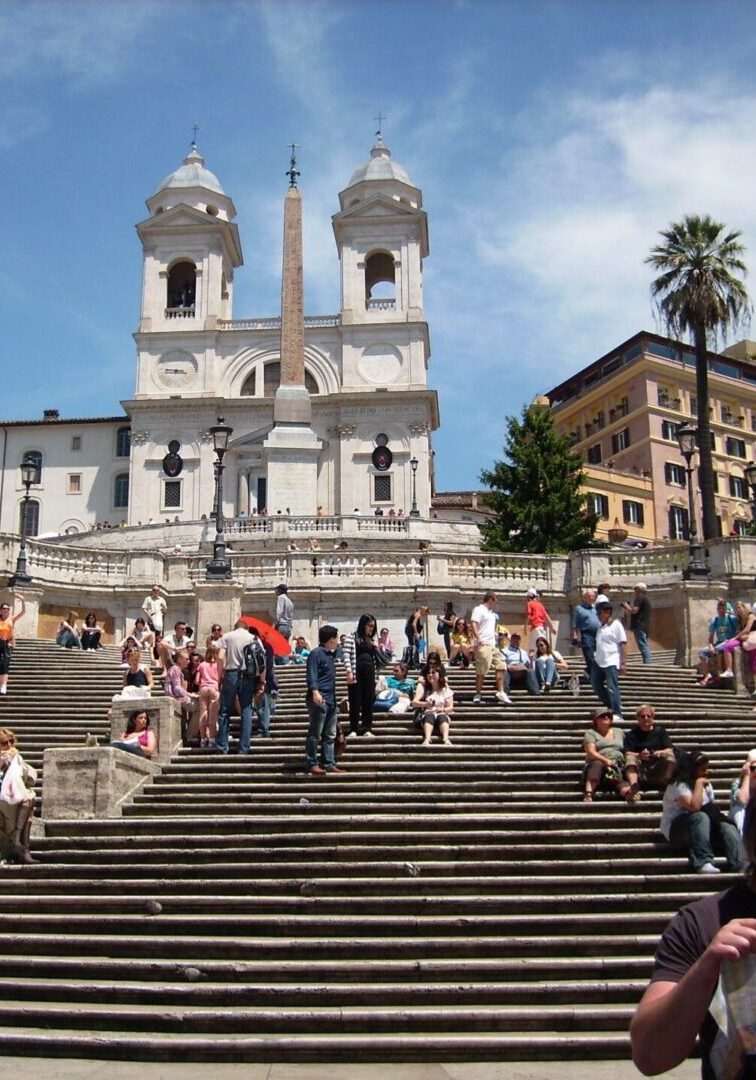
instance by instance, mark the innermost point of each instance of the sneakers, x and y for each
(368, 735)
(425, 742)
(352, 735)
(707, 868)
(477, 699)
(503, 698)
(724, 675)
(446, 742)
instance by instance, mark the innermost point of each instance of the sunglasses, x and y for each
(6, 742)
(645, 716)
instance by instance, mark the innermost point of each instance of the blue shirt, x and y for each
(587, 622)
(321, 673)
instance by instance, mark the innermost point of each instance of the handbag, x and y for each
(750, 642)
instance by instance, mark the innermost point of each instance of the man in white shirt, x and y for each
(155, 608)
(169, 645)
(609, 659)
(484, 621)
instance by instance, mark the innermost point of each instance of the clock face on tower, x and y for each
(175, 370)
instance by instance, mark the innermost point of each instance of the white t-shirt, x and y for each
(486, 621)
(608, 640)
(672, 806)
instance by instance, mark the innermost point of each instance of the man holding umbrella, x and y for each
(241, 670)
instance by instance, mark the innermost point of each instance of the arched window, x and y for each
(36, 457)
(380, 281)
(249, 386)
(121, 491)
(272, 380)
(182, 284)
(29, 510)
(123, 442)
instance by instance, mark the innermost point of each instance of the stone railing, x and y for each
(387, 304)
(547, 572)
(274, 323)
(179, 312)
(733, 557)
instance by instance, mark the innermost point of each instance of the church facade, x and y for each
(365, 368)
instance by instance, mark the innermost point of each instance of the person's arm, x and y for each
(670, 1014)
(748, 627)
(622, 646)
(221, 662)
(312, 679)
(743, 793)
(695, 800)
(474, 631)
(593, 755)
(21, 613)
(419, 693)
(151, 746)
(349, 658)
(449, 703)
(150, 681)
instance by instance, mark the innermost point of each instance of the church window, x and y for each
(171, 495)
(181, 290)
(380, 281)
(74, 483)
(272, 380)
(29, 515)
(382, 487)
(123, 442)
(121, 491)
(249, 386)
(36, 457)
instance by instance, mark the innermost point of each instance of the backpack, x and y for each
(254, 660)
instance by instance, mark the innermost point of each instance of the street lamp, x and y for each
(219, 568)
(414, 512)
(28, 476)
(687, 438)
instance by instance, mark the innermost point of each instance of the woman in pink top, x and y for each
(209, 696)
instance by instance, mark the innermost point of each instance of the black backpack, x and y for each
(254, 660)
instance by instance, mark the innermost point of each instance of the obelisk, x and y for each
(292, 448)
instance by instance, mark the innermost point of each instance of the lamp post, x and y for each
(687, 438)
(414, 512)
(749, 472)
(219, 568)
(28, 476)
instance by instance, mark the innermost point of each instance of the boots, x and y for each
(19, 840)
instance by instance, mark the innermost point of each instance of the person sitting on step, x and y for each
(461, 651)
(67, 636)
(170, 644)
(138, 674)
(649, 754)
(142, 635)
(434, 704)
(691, 819)
(519, 670)
(604, 756)
(548, 663)
(742, 791)
(137, 738)
(17, 780)
(715, 664)
(91, 635)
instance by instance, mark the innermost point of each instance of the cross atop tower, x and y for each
(379, 121)
(195, 129)
(292, 171)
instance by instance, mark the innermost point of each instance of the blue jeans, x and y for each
(528, 676)
(321, 732)
(700, 835)
(641, 638)
(234, 682)
(588, 645)
(261, 709)
(605, 683)
(546, 671)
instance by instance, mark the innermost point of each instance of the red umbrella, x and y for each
(269, 635)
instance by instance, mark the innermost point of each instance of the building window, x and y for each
(123, 442)
(632, 512)
(621, 440)
(738, 487)
(380, 280)
(75, 443)
(171, 495)
(678, 523)
(598, 504)
(735, 447)
(593, 454)
(36, 457)
(272, 380)
(74, 483)
(669, 430)
(674, 474)
(121, 491)
(29, 510)
(740, 527)
(382, 487)
(181, 290)
(693, 406)
(249, 386)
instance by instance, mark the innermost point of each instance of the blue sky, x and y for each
(552, 140)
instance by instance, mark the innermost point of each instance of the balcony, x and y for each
(179, 312)
(664, 401)
(385, 304)
(729, 417)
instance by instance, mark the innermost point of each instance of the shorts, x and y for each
(487, 657)
(536, 633)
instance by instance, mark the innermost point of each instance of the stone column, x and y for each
(694, 603)
(242, 498)
(292, 448)
(28, 626)
(217, 602)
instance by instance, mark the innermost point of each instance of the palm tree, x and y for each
(699, 293)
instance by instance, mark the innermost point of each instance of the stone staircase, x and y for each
(430, 904)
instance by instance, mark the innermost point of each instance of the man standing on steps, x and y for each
(609, 661)
(484, 621)
(155, 609)
(234, 680)
(321, 704)
(639, 610)
(585, 624)
(284, 615)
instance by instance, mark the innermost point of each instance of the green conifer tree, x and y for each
(535, 492)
